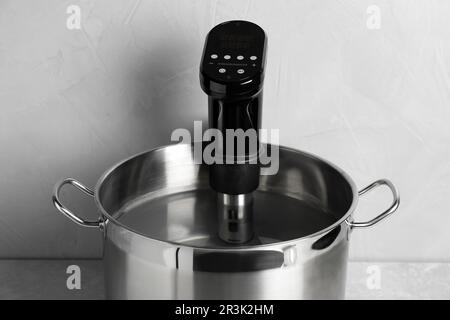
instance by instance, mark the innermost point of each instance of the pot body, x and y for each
(300, 265)
(137, 269)
(160, 229)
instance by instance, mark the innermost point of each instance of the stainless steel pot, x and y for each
(158, 217)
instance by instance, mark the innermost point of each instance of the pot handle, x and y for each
(392, 208)
(69, 214)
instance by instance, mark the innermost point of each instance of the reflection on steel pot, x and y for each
(159, 219)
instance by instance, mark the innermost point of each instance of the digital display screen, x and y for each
(236, 41)
(234, 52)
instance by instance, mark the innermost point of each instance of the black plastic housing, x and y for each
(232, 74)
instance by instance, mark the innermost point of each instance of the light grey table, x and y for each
(46, 279)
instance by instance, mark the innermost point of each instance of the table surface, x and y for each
(46, 279)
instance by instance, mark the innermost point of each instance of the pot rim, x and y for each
(110, 219)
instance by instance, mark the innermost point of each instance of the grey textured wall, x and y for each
(74, 102)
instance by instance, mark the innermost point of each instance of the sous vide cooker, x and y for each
(232, 74)
(177, 229)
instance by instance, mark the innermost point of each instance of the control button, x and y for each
(227, 57)
(222, 70)
(240, 71)
(214, 56)
(240, 57)
(253, 58)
